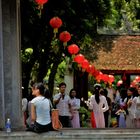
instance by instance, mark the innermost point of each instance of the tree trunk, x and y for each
(52, 77)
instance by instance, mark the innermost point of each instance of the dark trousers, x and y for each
(65, 121)
(38, 128)
(106, 115)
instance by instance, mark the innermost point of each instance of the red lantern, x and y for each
(99, 77)
(90, 69)
(55, 23)
(137, 78)
(73, 49)
(65, 37)
(79, 58)
(41, 2)
(40, 5)
(96, 73)
(133, 83)
(105, 78)
(85, 64)
(111, 78)
(119, 83)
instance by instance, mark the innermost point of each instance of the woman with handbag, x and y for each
(40, 110)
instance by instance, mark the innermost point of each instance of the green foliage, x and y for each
(60, 72)
(84, 116)
(124, 16)
(26, 55)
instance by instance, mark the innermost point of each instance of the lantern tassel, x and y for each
(64, 44)
(40, 7)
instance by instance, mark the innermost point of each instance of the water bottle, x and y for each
(8, 126)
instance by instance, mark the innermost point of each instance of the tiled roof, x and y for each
(123, 55)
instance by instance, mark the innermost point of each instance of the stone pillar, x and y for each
(10, 73)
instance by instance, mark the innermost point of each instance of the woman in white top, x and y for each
(130, 103)
(40, 110)
(98, 104)
(75, 105)
(137, 109)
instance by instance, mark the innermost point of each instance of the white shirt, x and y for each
(63, 105)
(101, 107)
(42, 106)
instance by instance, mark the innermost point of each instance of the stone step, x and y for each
(75, 134)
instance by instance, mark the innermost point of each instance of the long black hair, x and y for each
(47, 93)
(96, 92)
(70, 93)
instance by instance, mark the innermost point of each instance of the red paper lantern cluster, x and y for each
(56, 23)
(64, 37)
(86, 66)
(73, 49)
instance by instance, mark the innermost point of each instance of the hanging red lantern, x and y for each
(120, 82)
(111, 78)
(79, 58)
(124, 77)
(96, 73)
(85, 64)
(133, 83)
(64, 37)
(90, 69)
(41, 2)
(40, 5)
(105, 78)
(137, 78)
(73, 49)
(56, 23)
(99, 77)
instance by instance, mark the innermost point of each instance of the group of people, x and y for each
(39, 108)
(124, 106)
(105, 103)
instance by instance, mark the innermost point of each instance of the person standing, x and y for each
(75, 105)
(98, 104)
(122, 115)
(130, 103)
(62, 103)
(137, 108)
(107, 114)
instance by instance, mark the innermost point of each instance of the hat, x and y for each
(99, 85)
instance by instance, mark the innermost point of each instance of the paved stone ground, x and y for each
(75, 134)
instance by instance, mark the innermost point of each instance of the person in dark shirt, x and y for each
(107, 113)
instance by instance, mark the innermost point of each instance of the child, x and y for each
(122, 115)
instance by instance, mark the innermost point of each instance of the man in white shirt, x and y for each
(62, 102)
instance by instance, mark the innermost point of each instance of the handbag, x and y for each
(56, 124)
